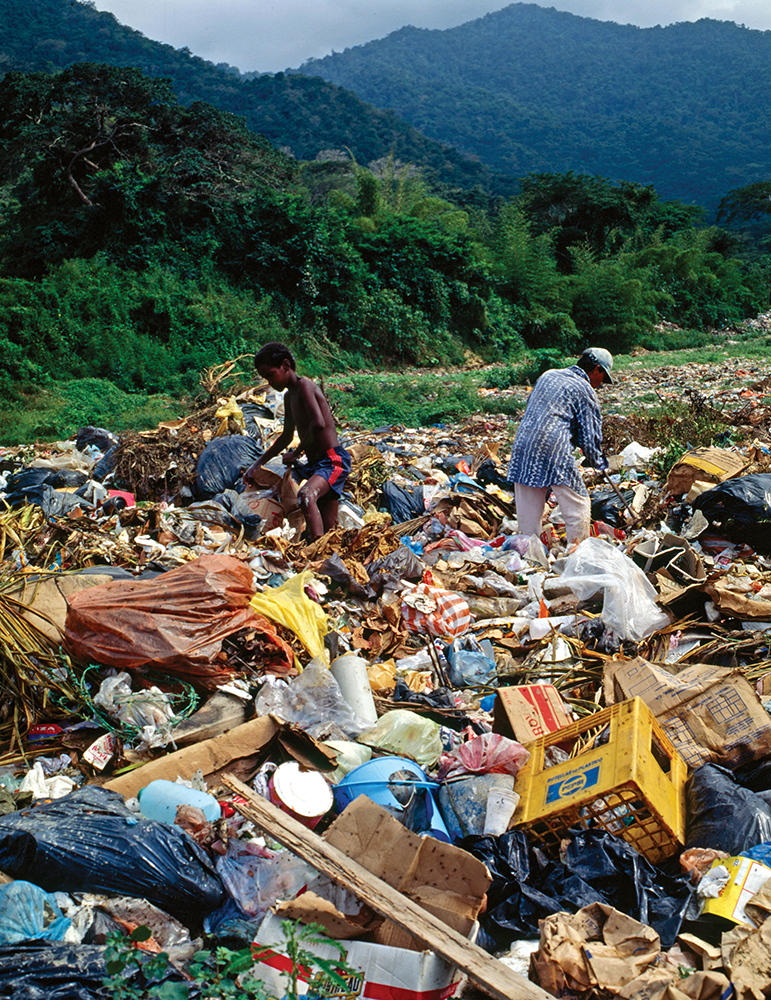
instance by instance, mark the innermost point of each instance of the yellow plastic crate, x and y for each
(632, 785)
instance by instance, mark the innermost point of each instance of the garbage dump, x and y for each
(420, 755)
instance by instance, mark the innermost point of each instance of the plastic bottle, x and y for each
(159, 801)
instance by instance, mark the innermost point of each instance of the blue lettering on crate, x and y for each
(567, 785)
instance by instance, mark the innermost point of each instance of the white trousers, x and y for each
(531, 500)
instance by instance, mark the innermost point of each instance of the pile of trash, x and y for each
(425, 736)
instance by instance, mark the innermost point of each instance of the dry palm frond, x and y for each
(226, 378)
(33, 676)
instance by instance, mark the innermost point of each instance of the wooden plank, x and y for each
(486, 972)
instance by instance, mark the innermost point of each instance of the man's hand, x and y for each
(290, 457)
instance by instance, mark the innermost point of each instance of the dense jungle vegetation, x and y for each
(302, 116)
(142, 241)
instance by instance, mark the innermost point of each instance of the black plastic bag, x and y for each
(97, 436)
(222, 464)
(489, 473)
(52, 502)
(740, 508)
(88, 841)
(240, 511)
(440, 698)
(52, 970)
(722, 814)
(338, 572)
(607, 506)
(516, 899)
(251, 411)
(55, 970)
(26, 479)
(67, 477)
(598, 868)
(105, 465)
(629, 882)
(402, 502)
(402, 562)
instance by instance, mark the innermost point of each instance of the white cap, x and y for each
(599, 356)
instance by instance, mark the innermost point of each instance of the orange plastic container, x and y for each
(624, 776)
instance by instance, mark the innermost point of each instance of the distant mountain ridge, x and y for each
(300, 115)
(684, 108)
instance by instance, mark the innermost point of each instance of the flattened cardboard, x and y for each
(251, 743)
(738, 605)
(710, 713)
(310, 908)
(446, 881)
(710, 465)
(597, 946)
(48, 596)
(526, 712)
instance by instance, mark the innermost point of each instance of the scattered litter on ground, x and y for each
(433, 737)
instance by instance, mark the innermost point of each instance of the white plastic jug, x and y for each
(159, 801)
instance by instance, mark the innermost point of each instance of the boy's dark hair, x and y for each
(272, 355)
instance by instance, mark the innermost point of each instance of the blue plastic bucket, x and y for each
(374, 779)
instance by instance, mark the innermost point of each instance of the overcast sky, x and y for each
(272, 35)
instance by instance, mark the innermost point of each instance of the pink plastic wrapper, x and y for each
(489, 753)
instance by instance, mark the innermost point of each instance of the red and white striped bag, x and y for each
(439, 612)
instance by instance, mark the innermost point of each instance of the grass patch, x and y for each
(414, 400)
(675, 425)
(56, 412)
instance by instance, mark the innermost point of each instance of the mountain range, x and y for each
(684, 108)
(527, 89)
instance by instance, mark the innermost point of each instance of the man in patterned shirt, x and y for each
(562, 414)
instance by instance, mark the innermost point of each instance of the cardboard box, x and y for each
(709, 465)
(709, 713)
(443, 879)
(674, 554)
(239, 751)
(386, 973)
(526, 712)
(275, 499)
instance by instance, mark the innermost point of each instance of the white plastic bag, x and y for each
(629, 601)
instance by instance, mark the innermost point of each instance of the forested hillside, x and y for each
(142, 240)
(684, 108)
(303, 116)
(147, 234)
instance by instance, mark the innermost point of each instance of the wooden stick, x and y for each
(486, 972)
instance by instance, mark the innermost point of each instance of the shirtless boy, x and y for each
(306, 411)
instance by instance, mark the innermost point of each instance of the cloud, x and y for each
(272, 35)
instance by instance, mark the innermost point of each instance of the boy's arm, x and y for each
(284, 438)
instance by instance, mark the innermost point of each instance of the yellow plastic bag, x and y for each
(231, 418)
(382, 676)
(290, 606)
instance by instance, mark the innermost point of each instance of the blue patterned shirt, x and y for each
(562, 414)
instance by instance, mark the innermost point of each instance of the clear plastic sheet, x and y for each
(629, 607)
